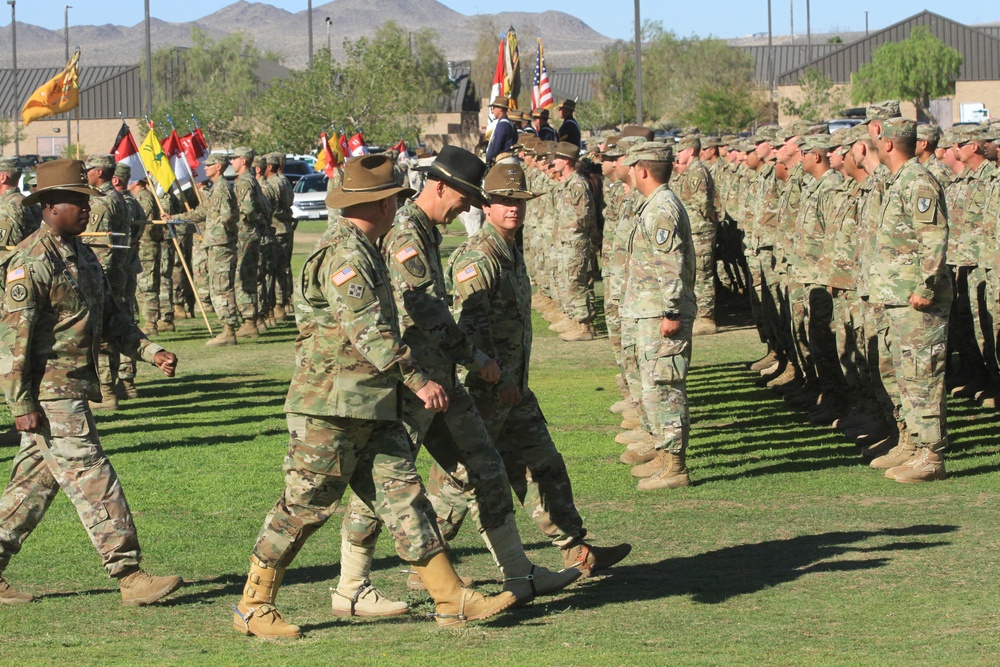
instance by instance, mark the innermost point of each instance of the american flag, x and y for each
(541, 92)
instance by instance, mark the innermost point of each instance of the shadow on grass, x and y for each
(720, 575)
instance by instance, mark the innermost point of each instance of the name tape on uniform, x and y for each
(467, 273)
(405, 254)
(342, 276)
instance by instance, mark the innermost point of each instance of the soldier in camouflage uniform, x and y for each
(15, 221)
(457, 439)
(265, 267)
(250, 202)
(908, 277)
(152, 260)
(575, 233)
(125, 386)
(108, 214)
(696, 190)
(284, 236)
(219, 215)
(492, 304)
(57, 309)
(343, 409)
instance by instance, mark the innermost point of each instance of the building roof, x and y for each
(786, 57)
(569, 84)
(980, 51)
(104, 91)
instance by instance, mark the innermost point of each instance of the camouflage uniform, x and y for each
(219, 215)
(12, 219)
(660, 283)
(343, 405)
(963, 261)
(126, 366)
(492, 304)
(270, 196)
(457, 439)
(909, 260)
(153, 260)
(612, 266)
(696, 191)
(58, 307)
(576, 232)
(250, 204)
(976, 197)
(284, 236)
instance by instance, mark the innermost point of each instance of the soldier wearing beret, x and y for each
(343, 409)
(58, 310)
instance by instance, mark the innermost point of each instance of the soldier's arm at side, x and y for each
(668, 256)
(17, 328)
(473, 280)
(931, 228)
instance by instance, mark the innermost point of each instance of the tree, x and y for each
(7, 132)
(919, 68)
(484, 62)
(819, 98)
(614, 98)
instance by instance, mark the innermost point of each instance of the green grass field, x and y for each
(787, 550)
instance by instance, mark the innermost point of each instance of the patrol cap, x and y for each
(260, 162)
(947, 138)
(507, 180)
(367, 178)
(882, 111)
(899, 128)
(840, 138)
(794, 129)
(123, 171)
(928, 132)
(768, 133)
(651, 151)
(500, 102)
(100, 161)
(710, 142)
(243, 152)
(728, 140)
(68, 175)
(688, 131)
(274, 158)
(991, 130)
(9, 165)
(818, 128)
(216, 158)
(638, 131)
(859, 132)
(568, 150)
(689, 141)
(819, 143)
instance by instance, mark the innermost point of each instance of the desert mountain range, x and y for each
(569, 42)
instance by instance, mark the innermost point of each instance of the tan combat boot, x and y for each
(355, 595)
(139, 589)
(704, 326)
(590, 559)
(629, 423)
(767, 361)
(9, 596)
(165, 326)
(520, 576)
(673, 475)
(247, 330)
(225, 338)
(904, 450)
(926, 466)
(560, 324)
(149, 328)
(278, 313)
(415, 583)
(180, 313)
(255, 614)
(457, 605)
(578, 332)
(630, 412)
(642, 453)
(261, 323)
(628, 437)
(621, 406)
(652, 466)
(125, 389)
(108, 399)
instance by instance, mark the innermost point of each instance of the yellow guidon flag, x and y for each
(58, 95)
(155, 161)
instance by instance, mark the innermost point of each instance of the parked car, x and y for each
(308, 159)
(842, 123)
(309, 194)
(296, 169)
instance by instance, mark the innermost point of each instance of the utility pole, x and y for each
(149, 67)
(809, 39)
(329, 22)
(310, 33)
(866, 24)
(638, 66)
(791, 19)
(770, 63)
(17, 97)
(69, 123)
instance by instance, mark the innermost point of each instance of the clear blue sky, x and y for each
(722, 18)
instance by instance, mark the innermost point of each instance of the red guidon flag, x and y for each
(357, 145)
(125, 150)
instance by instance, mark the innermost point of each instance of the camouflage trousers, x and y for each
(328, 454)
(991, 298)
(704, 273)
(468, 471)
(182, 294)
(68, 455)
(576, 275)
(961, 323)
(284, 244)
(154, 283)
(612, 318)
(199, 269)
(247, 259)
(849, 330)
(265, 273)
(220, 267)
(799, 336)
(535, 469)
(822, 339)
(772, 331)
(915, 343)
(662, 366)
(983, 315)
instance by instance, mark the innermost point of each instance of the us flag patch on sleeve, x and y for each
(16, 274)
(405, 254)
(467, 273)
(342, 276)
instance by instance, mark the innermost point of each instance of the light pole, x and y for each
(329, 22)
(149, 67)
(310, 33)
(17, 97)
(866, 24)
(69, 123)
(638, 66)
